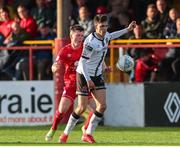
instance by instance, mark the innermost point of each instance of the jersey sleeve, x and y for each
(118, 34)
(86, 54)
(87, 50)
(61, 57)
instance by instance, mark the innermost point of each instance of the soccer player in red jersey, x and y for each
(66, 64)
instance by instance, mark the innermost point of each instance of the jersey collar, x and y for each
(95, 35)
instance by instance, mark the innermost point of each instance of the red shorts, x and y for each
(70, 93)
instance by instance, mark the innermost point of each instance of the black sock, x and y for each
(75, 115)
(98, 114)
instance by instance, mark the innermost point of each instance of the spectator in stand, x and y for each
(76, 4)
(135, 52)
(17, 65)
(139, 8)
(170, 27)
(116, 4)
(146, 67)
(42, 13)
(152, 26)
(168, 66)
(44, 57)
(15, 3)
(137, 34)
(51, 3)
(176, 63)
(162, 11)
(17, 36)
(26, 21)
(10, 9)
(5, 27)
(120, 9)
(85, 21)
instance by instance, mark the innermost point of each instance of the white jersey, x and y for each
(94, 51)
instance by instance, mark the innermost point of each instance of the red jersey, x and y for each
(5, 27)
(29, 24)
(142, 70)
(70, 58)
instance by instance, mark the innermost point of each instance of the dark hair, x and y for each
(76, 27)
(152, 6)
(5, 9)
(100, 18)
(23, 6)
(146, 52)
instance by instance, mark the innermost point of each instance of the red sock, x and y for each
(57, 118)
(88, 120)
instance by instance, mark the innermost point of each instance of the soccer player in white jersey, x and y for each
(89, 76)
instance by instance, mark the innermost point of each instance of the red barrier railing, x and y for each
(111, 46)
(145, 46)
(30, 48)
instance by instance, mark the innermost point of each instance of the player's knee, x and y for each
(102, 107)
(81, 109)
(63, 109)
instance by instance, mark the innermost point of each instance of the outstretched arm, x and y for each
(119, 33)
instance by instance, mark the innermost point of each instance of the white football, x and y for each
(125, 63)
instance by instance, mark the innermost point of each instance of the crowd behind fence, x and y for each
(151, 56)
(10, 69)
(159, 47)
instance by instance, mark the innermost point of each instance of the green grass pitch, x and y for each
(104, 135)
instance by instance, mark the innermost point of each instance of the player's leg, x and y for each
(91, 107)
(64, 106)
(99, 95)
(100, 99)
(74, 117)
(65, 103)
(82, 92)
